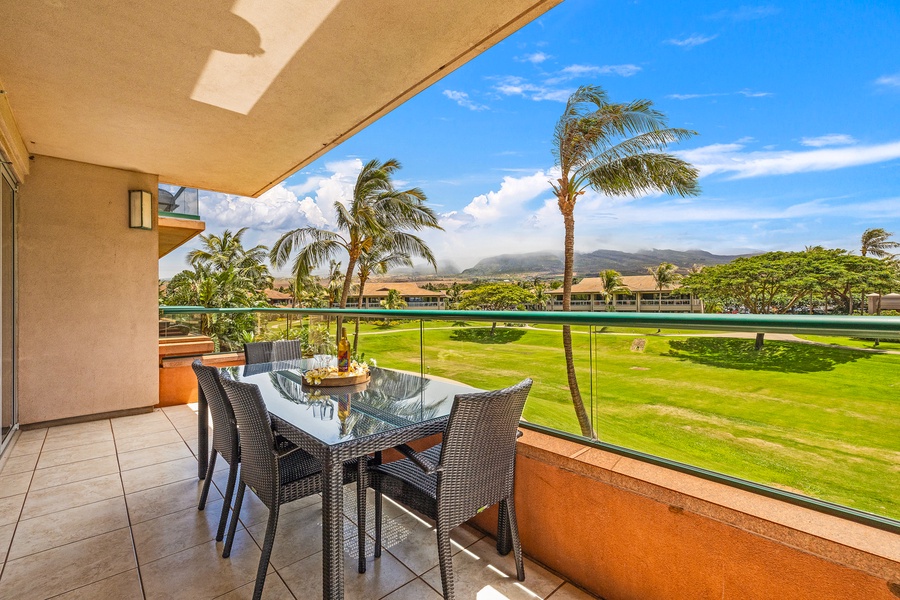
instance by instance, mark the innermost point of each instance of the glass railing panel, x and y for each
(179, 201)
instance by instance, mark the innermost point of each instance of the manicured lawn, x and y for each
(822, 421)
(888, 344)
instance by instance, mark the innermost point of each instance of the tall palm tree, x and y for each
(221, 252)
(376, 210)
(335, 282)
(664, 275)
(384, 254)
(612, 283)
(877, 242)
(616, 149)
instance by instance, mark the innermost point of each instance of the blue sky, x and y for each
(795, 104)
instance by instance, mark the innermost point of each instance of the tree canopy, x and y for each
(497, 296)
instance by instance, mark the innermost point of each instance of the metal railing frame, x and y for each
(850, 326)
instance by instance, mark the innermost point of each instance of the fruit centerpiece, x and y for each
(330, 376)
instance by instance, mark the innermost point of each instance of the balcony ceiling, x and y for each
(229, 95)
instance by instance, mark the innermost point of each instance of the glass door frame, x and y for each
(7, 177)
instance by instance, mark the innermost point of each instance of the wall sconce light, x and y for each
(141, 209)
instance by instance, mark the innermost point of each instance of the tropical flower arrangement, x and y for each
(317, 376)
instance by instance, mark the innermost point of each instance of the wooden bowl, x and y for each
(330, 382)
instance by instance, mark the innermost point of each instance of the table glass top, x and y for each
(391, 399)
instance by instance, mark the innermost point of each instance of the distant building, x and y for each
(588, 295)
(415, 296)
(878, 303)
(277, 298)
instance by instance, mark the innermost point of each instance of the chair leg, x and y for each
(234, 519)
(445, 558)
(361, 487)
(207, 479)
(266, 551)
(378, 516)
(226, 506)
(514, 533)
(504, 541)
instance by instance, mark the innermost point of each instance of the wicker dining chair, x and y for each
(266, 352)
(472, 469)
(225, 437)
(277, 476)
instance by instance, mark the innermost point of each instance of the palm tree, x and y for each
(612, 283)
(382, 256)
(393, 301)
(376, 210)
(335, 282)
(664, 275)
(219, 253)
(616, 149)
(877, 242)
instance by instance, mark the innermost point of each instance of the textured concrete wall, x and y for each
(87, 293)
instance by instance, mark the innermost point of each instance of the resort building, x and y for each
(643, 296)
(277, 298)
(412, 294)
(100, 103)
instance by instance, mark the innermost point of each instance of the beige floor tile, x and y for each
(182, 419)
(32, 435)
(178, 531)
(6, 533)
(124, 586)
(479, 567)
(79, 471)
(253, 511)
(10, 508)
(414, 541)
(180, 409)
(143, 427)
(414, 590)
(155, 475)
(382, 576)
(61, 431)
(274, 589)
(67, 526)
(25, 448)
(167, 499)
(200, 573)
(19, 464)
(152, 456)
(13, 485)
(299, 535)
(569, 592)
(71, 495)
(66, 456)
(77, 439)
(68, 567)
(147, 440)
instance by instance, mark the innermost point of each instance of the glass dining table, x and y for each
(342, 423)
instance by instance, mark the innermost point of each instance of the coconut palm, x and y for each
(616, 149)
(375, 210)
(664, 275)
(612, 283)
(877, 242)
(393, 301)
(221, 252)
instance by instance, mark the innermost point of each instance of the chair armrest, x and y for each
(420, 461)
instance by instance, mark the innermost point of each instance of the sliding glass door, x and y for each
(8, 405)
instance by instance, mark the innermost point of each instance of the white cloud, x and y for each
(830, 139)
(889, 80)
(731, 158)
(691, 41)
(462, 98)
(575, 71)
(745, 92)
(549, 88)
(278, 208)
(535, 58)
(507, 202)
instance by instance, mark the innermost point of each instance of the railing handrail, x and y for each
(844, 325)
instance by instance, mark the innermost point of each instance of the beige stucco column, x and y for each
(87, 293)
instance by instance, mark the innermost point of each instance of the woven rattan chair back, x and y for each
(478, 456)
(286, 350)
(259, 468)
(258, 352)
(225, 435)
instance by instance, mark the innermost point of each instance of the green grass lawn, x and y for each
(888, 344)
(814, 419)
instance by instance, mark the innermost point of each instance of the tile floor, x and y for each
(108, 510)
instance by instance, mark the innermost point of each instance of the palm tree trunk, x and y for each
(359, 303)
(348, 281)
(583, 420)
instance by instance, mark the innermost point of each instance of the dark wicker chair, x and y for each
(266, 352)
(225, 437)
(472, 469)
(277, 476)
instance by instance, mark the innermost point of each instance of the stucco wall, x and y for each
(87, 293)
